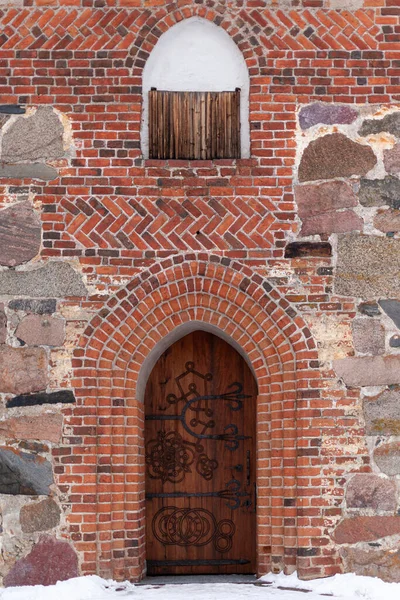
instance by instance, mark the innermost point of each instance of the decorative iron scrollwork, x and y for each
(197, 413)
(232, 493)
(192, 527)
(192, 390)
(169, 457)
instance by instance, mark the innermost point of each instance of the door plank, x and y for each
(194, 125)
(200, 459)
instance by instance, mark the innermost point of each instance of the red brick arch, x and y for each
(240, 25)
(227, 296)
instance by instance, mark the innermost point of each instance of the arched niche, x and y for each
(195, 56)
(175, 335)
(200, 455)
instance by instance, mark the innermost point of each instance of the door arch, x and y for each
(200, 428)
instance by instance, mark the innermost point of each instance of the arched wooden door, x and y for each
(200, 460)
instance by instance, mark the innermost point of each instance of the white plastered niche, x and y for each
(197, 56)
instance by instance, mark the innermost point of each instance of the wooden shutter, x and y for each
(194, 125)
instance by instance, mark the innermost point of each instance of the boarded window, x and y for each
(194, 125)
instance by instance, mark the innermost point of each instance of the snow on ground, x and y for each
(346, 587)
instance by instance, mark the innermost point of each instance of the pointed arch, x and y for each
(109, 371)
(195, 55)
(240, 25)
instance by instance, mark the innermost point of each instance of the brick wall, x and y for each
(103, 254)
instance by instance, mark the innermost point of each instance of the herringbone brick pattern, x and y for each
(318, 30)
(119, 28)
(195, 224)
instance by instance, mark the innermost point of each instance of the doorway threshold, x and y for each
(186, 579)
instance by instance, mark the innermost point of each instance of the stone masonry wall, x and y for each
(292, 252)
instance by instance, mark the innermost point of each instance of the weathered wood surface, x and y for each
(194, 125)
(200, 459)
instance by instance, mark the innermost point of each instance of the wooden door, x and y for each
(200, 460)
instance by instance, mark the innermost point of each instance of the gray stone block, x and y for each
(368, 370)
(390, 124)
(394, 341)
(387, 458)
(392, 309)
(3, 325)
(23, 473)
(54, 279)
(26, 171)
(12, 3)
(372, 563)
(371, 309)
(40, 516)
(380, 192)
(367, 266)
(36, 137)
(368, 336)
(39, 307)
(382, 413)
(11, 109)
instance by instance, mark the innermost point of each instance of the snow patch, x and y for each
(78, 588)
(348, 587)
(340, 586)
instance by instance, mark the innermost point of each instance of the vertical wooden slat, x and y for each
(203, 133)
(220, 121)
(233, 125)
(160, 144)
(171, 129)
(181, 124)
(197, 126)
(194, 125)
(228, 124)
(156, 125)
(160, 136)
(186, 131)
(184, 138)
(189, 131)
(225, 124)
(157, 101)
(151, 125)
(237, 123)
(216, 126)
(212, 136)
(175, 121)
(208, 125)
(164, 127)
